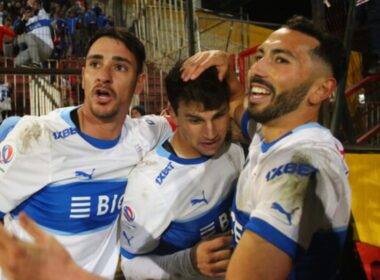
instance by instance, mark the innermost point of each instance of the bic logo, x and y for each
(65, 133)
(83, 206)
(223, 223)
(161, 177)
(6, 154)
(237, 229)
(301, 169)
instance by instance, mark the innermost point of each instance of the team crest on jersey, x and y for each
(128, 214)
(6, 154)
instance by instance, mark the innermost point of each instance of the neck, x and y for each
(182, 151)
(97, 128)
(277, 128)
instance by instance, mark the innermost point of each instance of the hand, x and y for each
(196, 64)
(45, 258)
(211, 257)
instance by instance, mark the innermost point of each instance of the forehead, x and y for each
(110, 48)
(197, 108)
(295, 42)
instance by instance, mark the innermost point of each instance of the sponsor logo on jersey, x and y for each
(164, 173)
(6, 154)
(84, 175)
(128, 214)
(65, 133)
(81, 207)
(277, 206)
(150, 122)
(200, 200)
(301, 169)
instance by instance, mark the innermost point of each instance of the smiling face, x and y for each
(199, 132)
(282, 75)
(109, 80)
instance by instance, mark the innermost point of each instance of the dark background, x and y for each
(269, 11)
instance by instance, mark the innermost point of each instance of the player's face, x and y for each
(281, 76)
(201, 133)
(109, 79)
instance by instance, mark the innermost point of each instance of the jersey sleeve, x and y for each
(145, 216)
(302, 188)
(24, 163)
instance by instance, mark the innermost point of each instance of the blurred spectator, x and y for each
(3, 13)
(35, 38)
(137, 111)
(6, 38)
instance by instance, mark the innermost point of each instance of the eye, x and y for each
(94, 64)
(195, 121)
(121, 67)
(281, 60)
(257, 57)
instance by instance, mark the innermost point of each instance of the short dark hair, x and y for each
(330, 49)
(206, 89)
(127, 38)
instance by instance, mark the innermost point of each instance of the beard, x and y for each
(282, 103)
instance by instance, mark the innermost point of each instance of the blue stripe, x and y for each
(75, 208)
(7, 125)
(126, 254)
(161, 151)
(244, 125)
(272, 235)
(98, 143)
(2, 215)
(38, 24)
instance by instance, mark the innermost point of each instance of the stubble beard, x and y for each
(281, 104)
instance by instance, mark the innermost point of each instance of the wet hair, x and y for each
(139, 109)
(330, 49)
(206, 89)
(127, 38)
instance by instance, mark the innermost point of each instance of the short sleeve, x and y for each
(24, 163)
(145, 216)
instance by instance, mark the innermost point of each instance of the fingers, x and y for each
(32, 228)
(220, 242)
(199, 62)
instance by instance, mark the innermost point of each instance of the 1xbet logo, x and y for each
(301, 169)
(6, 154)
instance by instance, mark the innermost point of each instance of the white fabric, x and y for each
(72, 185)
(170, 204)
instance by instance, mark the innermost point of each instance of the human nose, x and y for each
(210, 130)
(259, 68)
(104, 74)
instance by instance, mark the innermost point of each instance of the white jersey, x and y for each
(172, 203)
(71, 184)
(295, 194)
(39, 25)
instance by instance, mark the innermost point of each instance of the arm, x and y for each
(209, 258)
(256, 258)
(196, 64)
(44, 258)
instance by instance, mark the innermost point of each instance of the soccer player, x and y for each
(68, 170)
(292, 206)
(179, 196)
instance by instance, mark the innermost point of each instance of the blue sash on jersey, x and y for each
(38, 24)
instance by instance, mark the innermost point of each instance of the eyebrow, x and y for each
(278, 51)
(115, 58)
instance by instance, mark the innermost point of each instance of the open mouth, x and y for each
(103, 95)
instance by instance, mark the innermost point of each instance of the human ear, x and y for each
(140, 84)
(321, 90)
